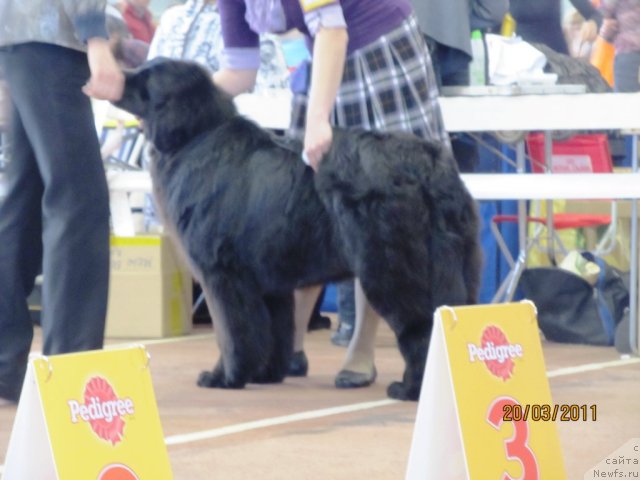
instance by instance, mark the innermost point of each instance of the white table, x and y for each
(490, 113)
(555, 112)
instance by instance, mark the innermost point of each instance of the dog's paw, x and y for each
(213, 379)
(269, 376)
(399, 391)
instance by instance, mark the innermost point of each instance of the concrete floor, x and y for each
(366, 437)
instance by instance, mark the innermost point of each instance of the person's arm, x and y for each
(88, 17)
(329, 54)
(235, 81)
(89, 22)
(593, 19)
(609, 29)
(107, 79)
(587, 10)
(240, 59)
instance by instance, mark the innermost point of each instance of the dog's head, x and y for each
(176, 100)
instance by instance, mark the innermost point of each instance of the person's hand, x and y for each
(588, 31)
(107, 79)
(317, 141)
(609, 28)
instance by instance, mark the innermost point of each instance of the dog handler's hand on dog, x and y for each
(317, 141)
(107, 79)
(329, 53)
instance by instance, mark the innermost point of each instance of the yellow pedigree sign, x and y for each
(100, 418)
(485, 410)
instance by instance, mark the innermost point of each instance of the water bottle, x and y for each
(477, 65)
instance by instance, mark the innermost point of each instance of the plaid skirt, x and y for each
(388, 85)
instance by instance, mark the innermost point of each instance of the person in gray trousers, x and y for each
(55, 215)
(447, 25)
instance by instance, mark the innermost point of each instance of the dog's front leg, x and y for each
(280, 309)
(215, 378)
(241, 322)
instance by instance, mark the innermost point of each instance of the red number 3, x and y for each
(516, 447)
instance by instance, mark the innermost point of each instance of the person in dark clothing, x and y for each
(622, 28)
(54, 218)
(450, 47)
(450, 41)
(541, 22)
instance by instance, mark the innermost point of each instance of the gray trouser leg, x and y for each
(56, 213)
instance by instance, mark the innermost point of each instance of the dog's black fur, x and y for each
(256, 222)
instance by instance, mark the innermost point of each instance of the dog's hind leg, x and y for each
(473, 257)
(409, 314)
(472, 271)
(453, 280)
(280, 309)
(405, 288)
(413, 340)
(242, 324)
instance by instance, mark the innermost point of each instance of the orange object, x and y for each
(602, 56)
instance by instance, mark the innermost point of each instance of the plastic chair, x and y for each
(587, 153)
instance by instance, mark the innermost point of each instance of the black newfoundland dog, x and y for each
(255, 223)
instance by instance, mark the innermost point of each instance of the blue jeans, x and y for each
(346, 303)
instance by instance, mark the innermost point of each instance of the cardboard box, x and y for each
(150, 290)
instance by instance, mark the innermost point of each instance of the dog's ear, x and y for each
(167, 132)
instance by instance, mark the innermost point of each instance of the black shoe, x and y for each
(342, 336)
(299, 365)
(319, 322)
(351, 379)
(8, 394)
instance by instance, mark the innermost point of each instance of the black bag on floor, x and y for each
(570, 310)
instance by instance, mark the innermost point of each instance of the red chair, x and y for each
(587, 153)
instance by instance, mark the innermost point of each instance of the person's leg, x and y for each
(346, 313)
(21, 251)
(359, 367)
(317, 320)
(60, 123)
(626, 72)
(304, 302)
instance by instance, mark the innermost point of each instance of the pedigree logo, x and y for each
(496, 352)
(117, 472)
(102, 409)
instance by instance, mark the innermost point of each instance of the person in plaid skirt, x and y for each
(370, 69)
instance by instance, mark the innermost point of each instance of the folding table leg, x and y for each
(509, 285)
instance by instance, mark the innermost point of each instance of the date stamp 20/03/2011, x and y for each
(550, 413)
